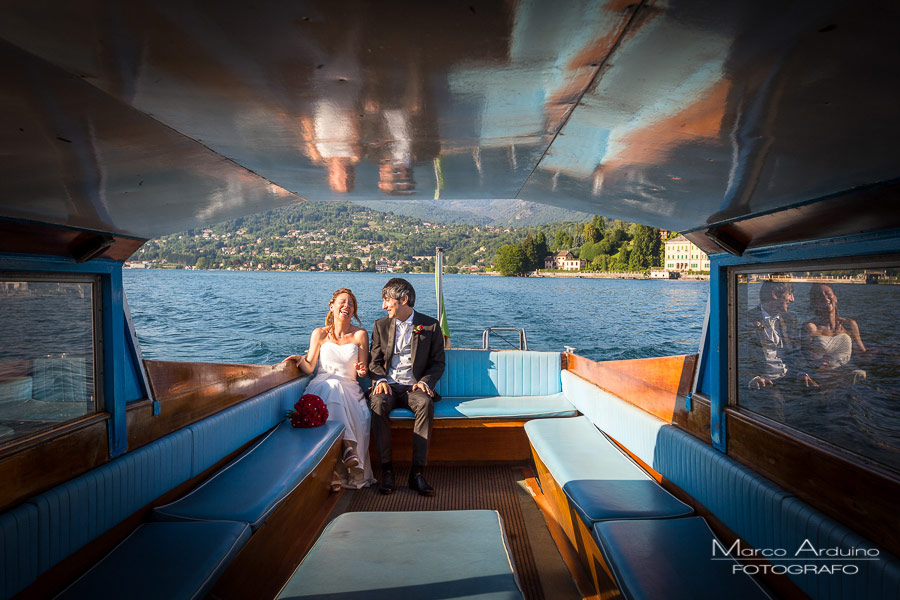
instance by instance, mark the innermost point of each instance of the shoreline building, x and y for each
(565, 261)
(681, 256)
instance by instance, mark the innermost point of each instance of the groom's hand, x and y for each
(382, 387)
(423, 387)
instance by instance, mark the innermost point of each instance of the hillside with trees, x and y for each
(342, 236)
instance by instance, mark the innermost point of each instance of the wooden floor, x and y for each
(542, 573)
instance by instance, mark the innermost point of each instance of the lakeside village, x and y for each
(681, 259)
(345, 237)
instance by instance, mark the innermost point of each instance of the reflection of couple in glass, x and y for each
(820, 353)
(829, 340)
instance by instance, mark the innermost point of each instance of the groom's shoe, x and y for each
(418, 484)
(386, 483)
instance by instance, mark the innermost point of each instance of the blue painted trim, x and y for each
(136, 356)
(114, 355)
(718, 352)
(688, 402)
(715, 382)
(112, 325)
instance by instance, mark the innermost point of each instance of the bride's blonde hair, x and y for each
(329, 318)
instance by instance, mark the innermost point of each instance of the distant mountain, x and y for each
(498, 213)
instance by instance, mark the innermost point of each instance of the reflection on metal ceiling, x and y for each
(145, 118)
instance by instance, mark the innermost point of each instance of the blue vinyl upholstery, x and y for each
(620, 420)
(18, 549)
(599, 480)
(74, 513)
(431, 555)
(253, 485)
(163, 560)
(497, 407)
(746, 503)
(643, 556)
(877, 579)
(481, 373)
(222, 433)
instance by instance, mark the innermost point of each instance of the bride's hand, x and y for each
(361, 369)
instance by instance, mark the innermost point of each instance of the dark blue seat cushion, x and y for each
(255, 483)
(422, 555)
(600, 481)
(163, 560)
(670, 559)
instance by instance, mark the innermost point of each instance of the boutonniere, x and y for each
(418, 329)
(758, 324)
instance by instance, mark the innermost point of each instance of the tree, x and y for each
(563, 241)
(591, 233)
(588, 251)
(619, 262)
(645, 252)
(511, 260)
(540, 243)
(600, 224)
(600, 262)
(532, 260)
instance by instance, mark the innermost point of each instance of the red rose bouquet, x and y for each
(309, 411)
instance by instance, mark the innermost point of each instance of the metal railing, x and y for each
(486, 337)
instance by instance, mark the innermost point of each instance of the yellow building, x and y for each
(682, 255)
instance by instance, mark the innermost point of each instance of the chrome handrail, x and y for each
(486, 337)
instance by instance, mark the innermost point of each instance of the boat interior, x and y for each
(765, 132)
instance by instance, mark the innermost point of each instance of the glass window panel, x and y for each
(818, 351)
(46, 353)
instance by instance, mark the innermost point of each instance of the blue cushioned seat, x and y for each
(670, 559)
(497, 407)
(422, 555)
(76, 512)
(18, 549)
(163, 560)
(252, 485)
(600, 481)
(215, 437)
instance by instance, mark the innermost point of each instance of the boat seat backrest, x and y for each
(220, 434)
(74, 513)
(479, 373)
(49, 527)
(18, 549)
(758, 511)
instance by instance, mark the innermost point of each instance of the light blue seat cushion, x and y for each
(163, 560)
(497, 407)
(215, 437)
(423, 555)
(670, 559)
(620, 420)
(18, 549)
(74, 513)
(599, 480)
(481, 373)
(252, 485)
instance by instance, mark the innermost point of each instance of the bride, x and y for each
(829, 339)
(342, 352)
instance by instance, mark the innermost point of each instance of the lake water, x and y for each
(261, 317)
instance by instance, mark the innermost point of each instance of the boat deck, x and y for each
(505, 488)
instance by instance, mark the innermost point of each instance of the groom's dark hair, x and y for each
(398, 287)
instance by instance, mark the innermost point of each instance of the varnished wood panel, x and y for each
(463, 441)
(853, 493)
(188, 392)
(33, 465)
(265, 564)
(655, 385)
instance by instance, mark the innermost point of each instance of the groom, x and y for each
(405, 362)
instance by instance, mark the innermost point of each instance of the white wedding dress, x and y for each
(335, 383)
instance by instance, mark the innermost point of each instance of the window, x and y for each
(817, 349)
(48, 351)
